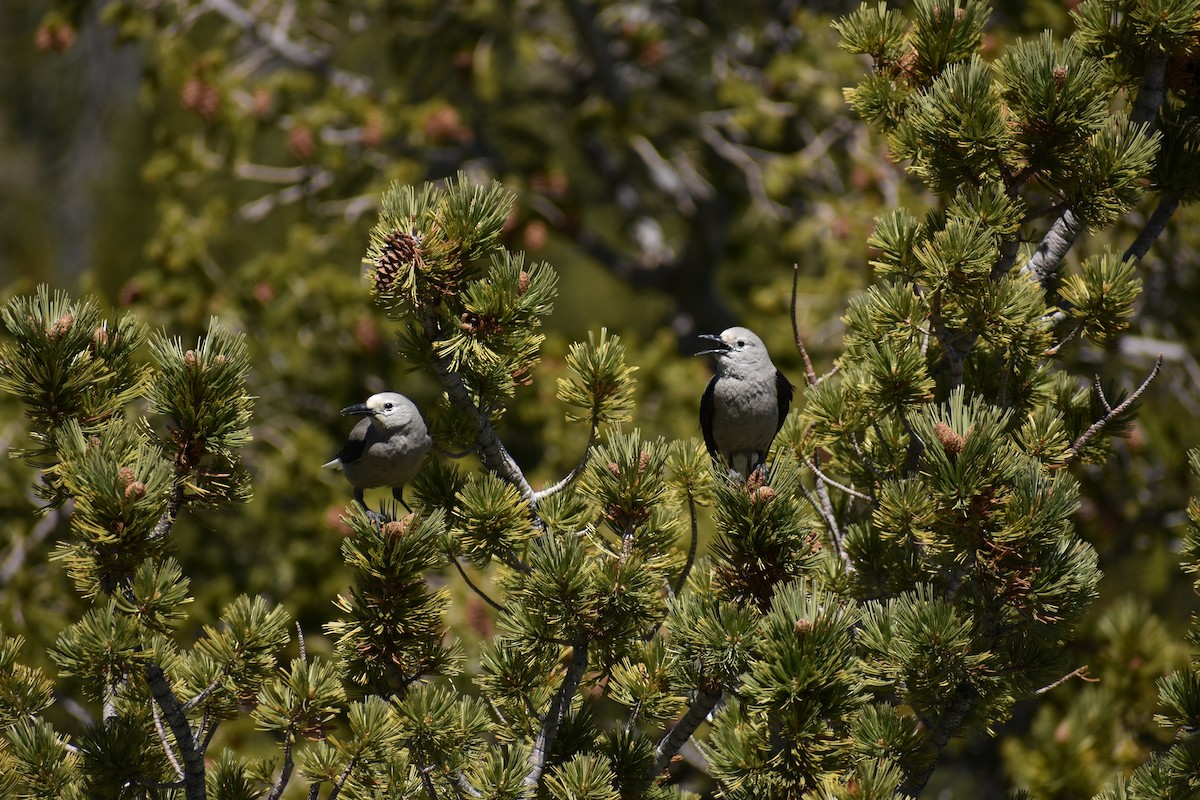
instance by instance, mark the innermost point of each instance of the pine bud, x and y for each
(643, 462)
(952, 443)
(1060, 76)
(127, 477)
(393, 529)
(260, 103)
(614, 469)
(763, 495)
(135, 491)
(61, 326)
(803, 626)
(99, 338)
(301, 143)
(522, 283)
(190, 359)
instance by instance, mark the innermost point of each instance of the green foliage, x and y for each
(905, 570)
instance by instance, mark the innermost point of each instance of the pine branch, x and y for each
(285, 772)
(1167, 205)
(941, 732)
(174, 505)
(691, 558)
(491, 450)
(558, 709)
(172, 709)
(1099, 424)
(1150, 98)
(1053, 249)
(702, 705)
(341, 781)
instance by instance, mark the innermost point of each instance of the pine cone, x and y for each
(952, 443)
(399, 252)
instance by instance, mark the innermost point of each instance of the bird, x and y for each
(385, 448)
(745, 403)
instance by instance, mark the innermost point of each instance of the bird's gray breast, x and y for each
(388, 459)
(745, 414)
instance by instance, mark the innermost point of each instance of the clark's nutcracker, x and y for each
(386, 448)
(745, 403)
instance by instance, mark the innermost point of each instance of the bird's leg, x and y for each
(398, 493)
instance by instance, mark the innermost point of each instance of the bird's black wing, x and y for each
(706, 417)
(783, 397)
(356, 442)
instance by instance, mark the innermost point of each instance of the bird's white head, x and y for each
(388, 410)
(738, 349)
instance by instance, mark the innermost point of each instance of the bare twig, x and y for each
(476, 589)
(204, 695)
(821, 476)
(162, 737)
(550, 491)
(300, 640)
(1099, 424)
(257, 209)
(1081, 672)
(1100, 393)
(809, 373)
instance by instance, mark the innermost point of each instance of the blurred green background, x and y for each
(672, 160)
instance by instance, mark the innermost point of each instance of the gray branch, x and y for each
(703, 704)
(1167, 205)
(172, 709)
(558, 709)
(1053, 250)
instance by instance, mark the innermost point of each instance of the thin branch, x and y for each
(162, 737)
(809, 373)
(821, 476)
(1100, 423)
(691, 559)
(476, 589)
(755, 183)
(204, 695)
(1100, 392)
(257, 209)
(702, 705)
(558, 709)
(300, 639)
(1081, 672)
(573, 474)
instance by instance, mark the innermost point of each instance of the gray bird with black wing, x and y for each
(386, 448)
(745, 403)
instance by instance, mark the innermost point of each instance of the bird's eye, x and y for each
(387, 406)
(741, 342)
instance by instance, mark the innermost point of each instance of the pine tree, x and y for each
(906, 570)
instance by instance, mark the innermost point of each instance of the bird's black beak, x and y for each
(357, 410)
(721, 347)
